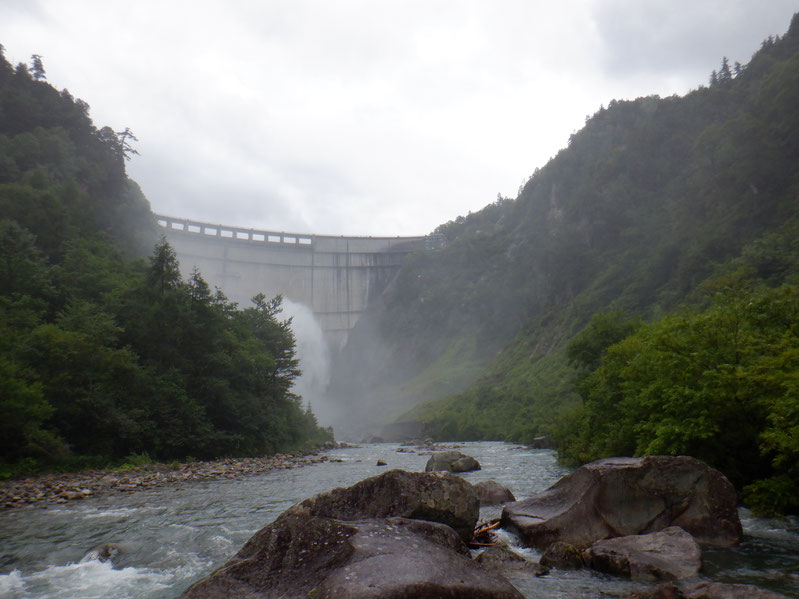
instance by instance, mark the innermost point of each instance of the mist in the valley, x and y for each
(366, 386)
(347, 405)
(345, 385)
(314, 356)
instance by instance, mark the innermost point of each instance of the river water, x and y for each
(174, 535)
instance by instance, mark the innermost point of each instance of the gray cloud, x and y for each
(356, 117)
(684, 38)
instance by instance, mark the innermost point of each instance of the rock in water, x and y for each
(664, 591)
(719, 590)
(704, 590)
(103, 553)
(490, 492)
(300, 556)
(453, 461)
(503, 559)
(629, 496)
(348, 543)
(562, 556)
(670, 554)
(434, 496)
(542, 442)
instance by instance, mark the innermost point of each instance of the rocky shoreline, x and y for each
(52, 489)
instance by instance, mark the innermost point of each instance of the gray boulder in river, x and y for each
(386, 536)
(435, 496)
(562, 556)
(300, 556)
(103, 553)
(704, 590)
(452, 461)
(669, 554)
(630, 496)
(502, 559)
(490, 492)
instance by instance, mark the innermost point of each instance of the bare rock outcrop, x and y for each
(630, 496)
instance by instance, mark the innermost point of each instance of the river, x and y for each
(171, 536)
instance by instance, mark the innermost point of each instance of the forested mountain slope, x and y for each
(103, 353)
(652, 201)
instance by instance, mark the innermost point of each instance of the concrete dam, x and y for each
(336, 277)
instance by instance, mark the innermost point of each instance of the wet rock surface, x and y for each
(452, 461)
(502, 559)
(104, 552)
(356, 543)
(704, 590)
(718, 590)
(301, 556)
(670, 554)
(490, 492)
(562, 556)
(434, 496)
(629, 496)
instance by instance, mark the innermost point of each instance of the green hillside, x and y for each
(105, 353)
(655, 204)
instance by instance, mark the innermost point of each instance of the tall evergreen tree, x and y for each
(37, 68)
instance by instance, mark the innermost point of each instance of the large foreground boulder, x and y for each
(670, 554)
(389, 536)
(453, 461)
(300, 556)
(434, 496)
(630, 496)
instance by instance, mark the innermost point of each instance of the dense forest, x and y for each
(105, 351)
(639, 295)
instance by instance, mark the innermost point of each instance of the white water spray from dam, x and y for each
(313, 353)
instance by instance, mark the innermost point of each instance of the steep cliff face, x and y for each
(650, 198)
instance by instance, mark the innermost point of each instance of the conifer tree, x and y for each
(724, 73)
(37, 68)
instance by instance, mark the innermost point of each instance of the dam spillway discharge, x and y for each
(336, 277)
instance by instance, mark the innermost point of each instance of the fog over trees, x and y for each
(105, 351)
(668, 227)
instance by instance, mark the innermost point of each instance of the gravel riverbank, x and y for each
(62, 488)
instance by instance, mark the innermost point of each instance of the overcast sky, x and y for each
(365, 117)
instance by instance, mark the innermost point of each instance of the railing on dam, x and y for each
(430, 242)
(190, 226)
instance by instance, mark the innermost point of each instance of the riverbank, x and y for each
(51, 489)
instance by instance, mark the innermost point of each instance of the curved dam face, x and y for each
(336, 277)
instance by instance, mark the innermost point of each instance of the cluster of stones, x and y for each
(61, 488)
(645, 519)
(404, 534)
